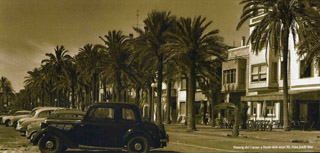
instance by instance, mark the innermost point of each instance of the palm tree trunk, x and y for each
(119, 87)
(72, 96)
(2, 99)
(191, 97)
(94, 87)
(42, 98)
(104, 92)
(87, 103)
(168, 101)
(214, 101)
(235, 130)
(187, 97)
(285, 43)
(138, 95)
(159, 89)
(150, 91)
(98, 91)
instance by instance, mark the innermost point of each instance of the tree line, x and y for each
(167, 49)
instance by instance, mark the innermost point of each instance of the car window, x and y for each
(102, 113)
(128, 114)
(44, 114)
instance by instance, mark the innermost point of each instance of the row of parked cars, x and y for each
(29, 122)
(55, 129)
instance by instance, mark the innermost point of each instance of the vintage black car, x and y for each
(104, 125)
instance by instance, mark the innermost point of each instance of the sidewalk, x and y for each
(209, 139)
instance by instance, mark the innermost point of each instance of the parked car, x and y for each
(74, 116)
(104, 125)
(38, 115)
(14, 121)
(6, 119)
(3, 113)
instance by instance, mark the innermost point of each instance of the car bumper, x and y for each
(164, 141)
(23, 133)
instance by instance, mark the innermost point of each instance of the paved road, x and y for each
(206, 139)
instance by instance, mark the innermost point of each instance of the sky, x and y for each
(31, 28)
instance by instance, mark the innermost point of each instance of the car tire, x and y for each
(15, 124)
(7, 123)
(64, 149)
(50, 144)
(138, 144)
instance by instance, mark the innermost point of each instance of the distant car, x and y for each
(104, 125)
(74, 116)
(38, 115)
(14, 121)
(6, 119)
(3, 113)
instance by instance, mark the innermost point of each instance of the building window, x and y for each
(274, 72)
(259, 73)
(183, 84)
(270, 108)
(306, 70)
(229, 76)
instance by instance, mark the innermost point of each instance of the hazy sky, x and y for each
(31, 28)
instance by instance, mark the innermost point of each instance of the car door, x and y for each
(98, 127)
(127, 120)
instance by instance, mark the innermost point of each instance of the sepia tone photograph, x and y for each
(159, 76)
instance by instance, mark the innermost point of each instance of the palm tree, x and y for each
(279, 19)
(196, 46)
(33, 82)
(55, 65)
(71, 78)
(157, 27)
(6, 89)
(89, 58)
(117, 68)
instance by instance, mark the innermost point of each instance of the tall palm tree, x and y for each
(116, 62)
(33, 82)
(90, 58)
(6, 90)
(55, 64)
(157, 27)
(72, 75)
(279, 19)
(195, 46)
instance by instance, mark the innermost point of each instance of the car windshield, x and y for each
(22, 113)
(65, 115)
(11, 112)
(33, 113)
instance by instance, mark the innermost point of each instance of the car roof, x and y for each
(121, 104)
(23, 111)
(69, 112)
(48, 108)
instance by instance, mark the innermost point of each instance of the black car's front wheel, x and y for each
(138, 144)
(50, 144)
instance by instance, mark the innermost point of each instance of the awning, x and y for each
(263, 97)
(224, 106)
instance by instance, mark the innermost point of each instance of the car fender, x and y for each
(137, 132)
(66, 141)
